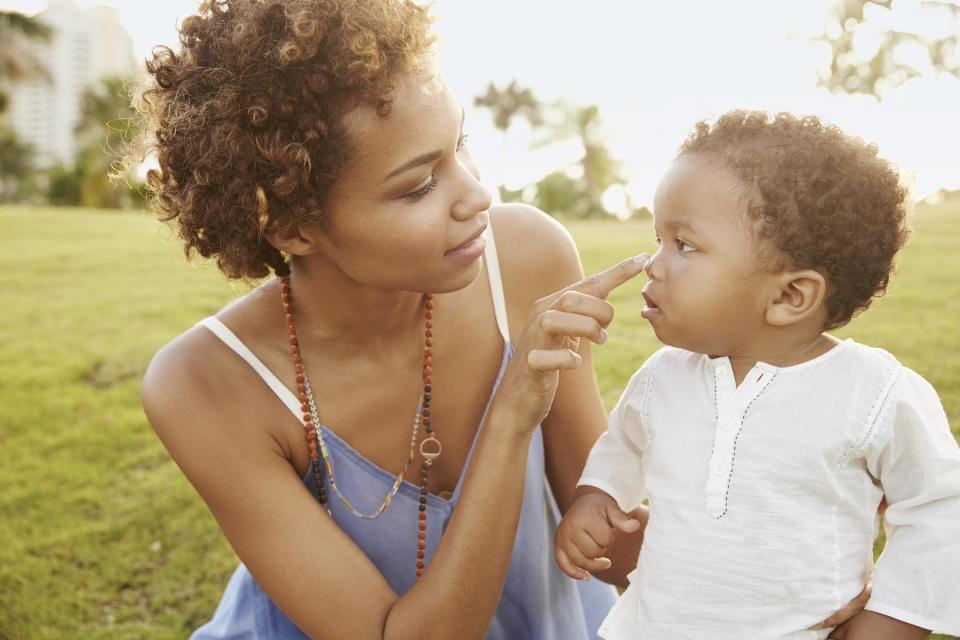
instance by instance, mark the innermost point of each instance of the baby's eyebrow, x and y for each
(676, 224)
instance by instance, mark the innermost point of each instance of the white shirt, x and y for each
(763, 497)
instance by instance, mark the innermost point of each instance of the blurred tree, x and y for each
(558, 193)
(18, 60)
(16, 165)
(869, 56)
(106, 122)
(509, 102)
(573, 191)
(598, 170)
(63, 188)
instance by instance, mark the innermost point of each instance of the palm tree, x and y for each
(18, 61)
(509, 102)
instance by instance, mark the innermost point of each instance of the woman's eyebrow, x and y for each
(425, 158)
(420, 160)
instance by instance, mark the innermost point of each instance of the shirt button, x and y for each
(726, 425)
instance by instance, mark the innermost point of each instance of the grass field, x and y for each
(101, 535)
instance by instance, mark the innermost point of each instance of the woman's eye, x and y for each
(424, 190)
(462, 141)
(684, 246)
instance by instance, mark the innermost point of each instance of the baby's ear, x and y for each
(798, 296)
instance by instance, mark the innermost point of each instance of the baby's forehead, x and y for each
(694, 181)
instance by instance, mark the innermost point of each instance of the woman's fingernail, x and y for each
(603, 336)
(643, 260)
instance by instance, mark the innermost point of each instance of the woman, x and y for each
(314, 140)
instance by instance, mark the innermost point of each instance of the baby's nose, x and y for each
(652, 266)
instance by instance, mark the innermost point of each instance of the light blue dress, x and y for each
(538, 601)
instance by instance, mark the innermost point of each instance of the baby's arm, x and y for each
(609, 489)
(916, 458)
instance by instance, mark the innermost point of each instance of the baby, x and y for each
(763, 444)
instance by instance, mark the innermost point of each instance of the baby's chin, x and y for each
(685, 341)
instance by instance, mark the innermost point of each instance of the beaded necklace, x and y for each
(430, 448)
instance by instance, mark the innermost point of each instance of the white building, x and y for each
(87, 44)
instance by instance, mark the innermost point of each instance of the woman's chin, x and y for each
(459, 279)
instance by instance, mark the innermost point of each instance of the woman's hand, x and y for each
(842, 616)
(551, 339)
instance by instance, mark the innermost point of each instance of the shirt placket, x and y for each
(731, 406)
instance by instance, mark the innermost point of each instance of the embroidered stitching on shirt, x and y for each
(873, 418)
(736, 438)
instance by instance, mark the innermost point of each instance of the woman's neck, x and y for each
(333, 308)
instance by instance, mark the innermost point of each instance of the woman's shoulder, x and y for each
(186, 376)
(537, 254)
(180, 377)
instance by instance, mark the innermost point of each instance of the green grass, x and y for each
(103, 537)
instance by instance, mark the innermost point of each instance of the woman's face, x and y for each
(407, 209)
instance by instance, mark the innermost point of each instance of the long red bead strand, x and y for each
(430, 447)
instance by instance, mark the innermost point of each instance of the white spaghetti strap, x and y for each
(230, 339)
(496, 285)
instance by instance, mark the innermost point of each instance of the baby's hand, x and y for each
(586, 531)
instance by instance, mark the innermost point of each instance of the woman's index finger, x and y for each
(601, 284)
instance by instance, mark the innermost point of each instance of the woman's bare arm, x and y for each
(869, 625)
(300, 557)
(320, 579)
(577, 417)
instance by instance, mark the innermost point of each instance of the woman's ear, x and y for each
(295, 240)
(799, 296)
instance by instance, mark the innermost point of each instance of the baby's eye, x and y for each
(684, 247)
(658, 239)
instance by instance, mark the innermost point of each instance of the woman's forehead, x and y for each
(422, 115)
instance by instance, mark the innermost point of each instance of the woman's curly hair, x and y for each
(823, 198)
(246, 117)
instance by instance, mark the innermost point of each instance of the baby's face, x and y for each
(707, 289)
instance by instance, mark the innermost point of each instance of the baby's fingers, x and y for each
(563, 561)
(593, 565)
(621, 520)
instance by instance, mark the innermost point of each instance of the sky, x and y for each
(654, 69)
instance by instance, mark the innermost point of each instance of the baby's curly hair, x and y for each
(246, 118)
(823, 198)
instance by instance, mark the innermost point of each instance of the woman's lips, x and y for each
(471, 248)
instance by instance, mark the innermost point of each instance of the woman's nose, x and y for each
(474, 198)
